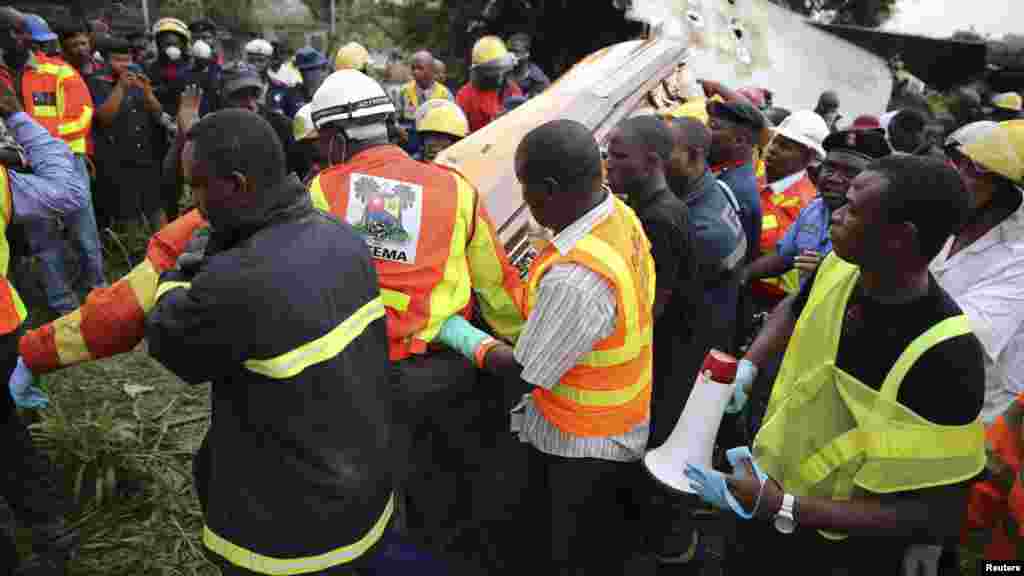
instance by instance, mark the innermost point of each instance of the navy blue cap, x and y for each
(306, 58)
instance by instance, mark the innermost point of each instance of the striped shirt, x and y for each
(575, 309)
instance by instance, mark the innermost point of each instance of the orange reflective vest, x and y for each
(431, 240)
(411, 99)
(54, 94)
(12, 310)
(781, 210)
(608, 392)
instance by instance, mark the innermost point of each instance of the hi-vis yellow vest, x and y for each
(12, 309)
(411, 98)
(826, 434)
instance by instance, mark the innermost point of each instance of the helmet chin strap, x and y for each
(344, 150)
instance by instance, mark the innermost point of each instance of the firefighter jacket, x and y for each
(298, 474)
(432, 242)
(54, 95)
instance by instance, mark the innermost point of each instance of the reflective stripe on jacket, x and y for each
(55, 95)
(12, 309)
(779, 211)
(826, 434)
(608, 392)
(411, 99)
(431, 240)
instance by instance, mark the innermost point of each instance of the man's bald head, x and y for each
(691, 141)
(423, 69)
(559, 167)
(650, 132)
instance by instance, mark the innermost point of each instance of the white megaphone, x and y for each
(693, 438)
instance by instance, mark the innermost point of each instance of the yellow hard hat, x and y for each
(172, 25)
(444, 116)
(351, 56)
(490, 51)
(1008, 101)
(1001, 150)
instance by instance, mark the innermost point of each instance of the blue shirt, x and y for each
(743, 181)
(53, 187)
(808, 232)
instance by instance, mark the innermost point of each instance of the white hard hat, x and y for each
(259, 46)
(806, 128)
(349, 95)
(969, 133)
(202, 50)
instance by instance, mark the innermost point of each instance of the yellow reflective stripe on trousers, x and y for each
(604, 397)
(635, 342)
(165, 287)
(323, 348)
(395, 300)
(261, 564)
(926, 444)
(316, 194)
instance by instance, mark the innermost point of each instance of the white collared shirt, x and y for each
(575, 308)
(987, 281)
(783, 184)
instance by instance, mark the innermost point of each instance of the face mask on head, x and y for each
(173, 53)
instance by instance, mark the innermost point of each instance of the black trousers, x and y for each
(437, 444)
(586, 514)
(28, 483)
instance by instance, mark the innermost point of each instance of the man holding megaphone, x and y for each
(872, 434)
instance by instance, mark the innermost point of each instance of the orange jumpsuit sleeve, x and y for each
(111, 320)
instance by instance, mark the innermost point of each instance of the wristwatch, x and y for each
(784, 520)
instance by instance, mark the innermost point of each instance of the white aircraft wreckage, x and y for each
(736, 42)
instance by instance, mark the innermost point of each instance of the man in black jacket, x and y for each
(295, 473)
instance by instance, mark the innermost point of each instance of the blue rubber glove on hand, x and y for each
(746, 372)
(711, 485)
(24, 390)
(460, 335)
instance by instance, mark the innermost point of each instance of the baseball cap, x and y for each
(238, 76)
(738, 112)
(38, 28)
(871, 144)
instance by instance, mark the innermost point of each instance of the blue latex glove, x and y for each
(712, 487)
(24, 390)
(460, 335)
(746, 372)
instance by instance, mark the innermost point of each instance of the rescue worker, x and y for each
(276, 95)
(312, 67)
(55, 95)
(140, 45)
(530, 78)
(585, 352)
(76, 44)
(828, 108)
(982, 267)
(860, 464)
(413, 93)
(434, 247)
(807, 241)
(170, 72)
(205, 30)
(797, 143)
(34, 173)
(440, 123)
(490, 83)
(207, 74)
(43, 39)
(314, 388)
(352, 56)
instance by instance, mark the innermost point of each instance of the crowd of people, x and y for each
(868, 276)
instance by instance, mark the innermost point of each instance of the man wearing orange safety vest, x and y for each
(585, 351)
(54, 94)
(797, 143)
(434, 246)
